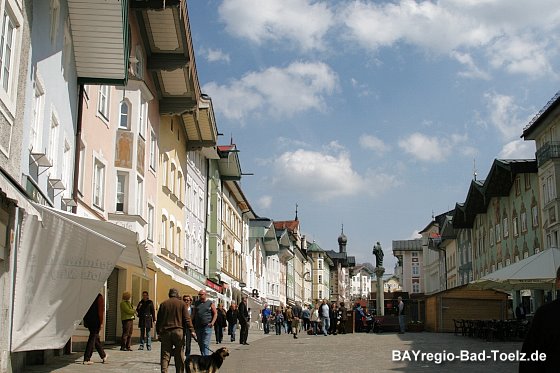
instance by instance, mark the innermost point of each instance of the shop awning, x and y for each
(60, 267)
(176, 274)
(18, 197)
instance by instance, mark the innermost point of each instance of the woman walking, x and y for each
(220, 324)
(127, 319)
(278, 321)
(231, 316)
(315, 318)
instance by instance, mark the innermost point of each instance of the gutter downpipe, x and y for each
(77, 149)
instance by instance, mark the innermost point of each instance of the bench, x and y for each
(386, 323)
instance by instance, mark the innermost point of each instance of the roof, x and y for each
(314, 247)
(541, 117)
(439, 220)
(408, 245)
(498, 183)
(290, 225)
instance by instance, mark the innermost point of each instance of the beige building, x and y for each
(409, 269)
(321, 272)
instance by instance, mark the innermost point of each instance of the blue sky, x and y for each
(372, 114)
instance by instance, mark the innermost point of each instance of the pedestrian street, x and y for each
(359, 352)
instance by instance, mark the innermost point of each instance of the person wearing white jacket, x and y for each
(315, 319)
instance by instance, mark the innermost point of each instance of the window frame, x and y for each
(124, 104)
(12, 10)
(103, 98)
(98, 187)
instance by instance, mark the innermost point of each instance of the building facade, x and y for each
(410, 266)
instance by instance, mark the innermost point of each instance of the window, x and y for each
(320, 279)
(517, 186)
(153, 149)
(515, 226)
(171, 182)
(179, 189)
(165, 169)
(55, 14)
(82, 165)
(139, 196)
(150, 222)
(492, 238)
(506, 227)
(139, 68)
(415, 269)
(53, 141)
(67, 169)
(163, 233)
(498, 233)
(535, 215)
(123, 115)
(122, 187)
(415, 288)
(142, 118)
(523, 221)
(98, 184)
(171, 247)
(527, 181)
(320, 294)
(415, 253)
(103, 104)
(7, 42)
(36, 125)
(320, 264)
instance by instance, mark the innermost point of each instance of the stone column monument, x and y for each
(379, 271)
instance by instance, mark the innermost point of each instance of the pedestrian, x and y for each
(265, 315)
(315, 319)
(220, 324)
(333, 313)
(278, 321)
(520, 313)
(543, 336)
(204, 319)
(324, 316)
(296, 316)
(187, 299)
(93, 320)
(289, 318)
(400, 312)
(232, 315)
(127, 318)
(146, 317)
(172, 319)
(244, 320)
(306, 317)
(343, 317)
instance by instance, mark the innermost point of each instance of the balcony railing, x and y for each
(547, 152)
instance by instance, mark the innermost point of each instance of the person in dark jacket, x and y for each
(171, 317)
(146, 317)
(342, 317)
(543, 338)
(93, 320)
(232, 315)
(220, 324)
(244, 321)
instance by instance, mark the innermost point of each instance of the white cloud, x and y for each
(503, 114)
(514, 36)
(281, 92)
(373, 143)
(518, 149)
(472, 70)
(327, 174)
(215, 55)
(415, 234)
(432, 149)
(303, 22)
(265, 202)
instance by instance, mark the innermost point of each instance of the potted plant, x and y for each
(415, 326)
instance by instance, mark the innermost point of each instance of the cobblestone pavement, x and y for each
(350, 352)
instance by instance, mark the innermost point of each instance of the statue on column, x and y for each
(378, 252)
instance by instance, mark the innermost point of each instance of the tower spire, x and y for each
(296, 211)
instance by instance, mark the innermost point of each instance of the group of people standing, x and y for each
(322, 318)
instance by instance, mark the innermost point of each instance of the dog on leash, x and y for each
(206, 364)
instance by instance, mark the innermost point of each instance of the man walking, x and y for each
(146, 317)
(265, 314)
(244, 321)
(232, 315)
(400, 309)
(204, 317)
(324, 315)
(171, 317)
(343, 318)
(296, 316)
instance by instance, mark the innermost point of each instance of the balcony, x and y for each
(547, 152)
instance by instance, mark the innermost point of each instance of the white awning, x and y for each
(18, 197)
(175, 273)
(61, 265)
(134, 254)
